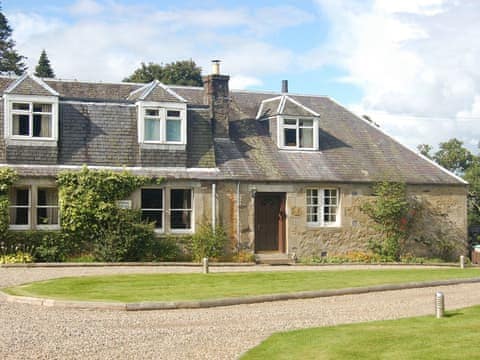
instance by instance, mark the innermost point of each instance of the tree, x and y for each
(453, 156)
(472, 175)
(184, 72)
(10, 60)
(44, 69)
(425, 149)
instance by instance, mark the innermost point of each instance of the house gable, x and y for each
(30, 85)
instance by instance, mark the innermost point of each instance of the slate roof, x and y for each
(351, 149)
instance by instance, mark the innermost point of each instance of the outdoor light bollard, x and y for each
(205, 265)
(462, 262)
(439, 304)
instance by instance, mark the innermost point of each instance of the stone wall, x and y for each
(440, 229)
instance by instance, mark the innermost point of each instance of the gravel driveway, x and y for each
(34, 332)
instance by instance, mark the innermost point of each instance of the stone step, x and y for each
(273, 259)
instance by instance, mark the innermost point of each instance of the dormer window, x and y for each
(298, 133)
(31, 118)
(162, 124)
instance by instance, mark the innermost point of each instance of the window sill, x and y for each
(312, 226)
(287, 148)
(163, 146)
(19, 227)
(31, 142)
(48, 227)
(181, 231)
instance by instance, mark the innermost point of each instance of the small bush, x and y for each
(208, 243)
(43, 246)
(163, 249)
(18, 258)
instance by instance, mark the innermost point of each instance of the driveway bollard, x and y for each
(439, 305)
(205, 265)
(462, 262)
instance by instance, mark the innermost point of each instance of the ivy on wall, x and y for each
(393, 213)
(91, 218)
(7, 178)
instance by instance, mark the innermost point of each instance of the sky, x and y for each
(411, 65)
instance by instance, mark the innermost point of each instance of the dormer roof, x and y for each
(29, 84)
(283, 105)
(155, 91)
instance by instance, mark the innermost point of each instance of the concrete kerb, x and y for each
(171, 305)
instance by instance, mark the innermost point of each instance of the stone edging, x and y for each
(169, 305)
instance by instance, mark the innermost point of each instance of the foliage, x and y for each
(472, 175)
(44, 246)
(425, 150)
(184, 72)
(91, 218)
(17, 258)
(394, 213)
(10, 60)
(453, 156)
(207, 242)
(44, 69)
(162, 249)
(7, 178)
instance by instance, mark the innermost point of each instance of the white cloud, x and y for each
(86, 7)
(241, 82)
(416, 58)
(114, 38)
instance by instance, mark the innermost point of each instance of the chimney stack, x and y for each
(215, 67)
(284, 86)
(217, 97)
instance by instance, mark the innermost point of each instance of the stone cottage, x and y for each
(285, 173)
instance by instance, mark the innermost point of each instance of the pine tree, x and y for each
(44, 69)
(10, 60)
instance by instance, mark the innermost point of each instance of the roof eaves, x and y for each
(148, 89)
(260, 109)
(43, 84)
(314, 113)
(14, 84)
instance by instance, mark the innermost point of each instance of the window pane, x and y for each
(173, 113)
(21, 125)
(18, 216)
(47, 197)
(152, 129)
(290, 137)
(180, 199)
(21, 197)
(305, 122)
(306, 138)
(47, 207)
(21, 106)
(19, 206)
(290, 121)
(45, 108)
(152, 199)
(41, 125)
(155, 216)
(151, 112)
(173, 130)
(180, 219)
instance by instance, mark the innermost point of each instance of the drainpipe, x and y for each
(214, 206)
(238, 215)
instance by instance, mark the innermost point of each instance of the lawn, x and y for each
(452, 337)
(177, 287)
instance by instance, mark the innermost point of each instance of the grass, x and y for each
(177, 287)
(452, 337)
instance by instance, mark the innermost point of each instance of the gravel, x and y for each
(35, 332)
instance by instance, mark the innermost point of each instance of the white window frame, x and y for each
(46, 226)
(192, 213)
(28, 207)
(163, 210)
(163, 109)
(10, 99)
(281, 126)
(321, 208)
(33, 207)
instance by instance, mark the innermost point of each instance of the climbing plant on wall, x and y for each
(393, 213)
(92, 219)
(7, 178)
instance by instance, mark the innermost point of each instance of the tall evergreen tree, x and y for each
(10, 60)
(44, 69)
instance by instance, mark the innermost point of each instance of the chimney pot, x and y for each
(215, 67)
(284, 86)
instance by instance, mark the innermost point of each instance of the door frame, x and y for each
(281, 224)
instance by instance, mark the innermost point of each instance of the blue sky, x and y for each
(411, 65)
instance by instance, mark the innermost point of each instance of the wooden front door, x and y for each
(270, 222)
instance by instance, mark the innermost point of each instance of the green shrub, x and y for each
(17, 258)
(163, 249)
(92, 220)
(207, 242)
(43, 246)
